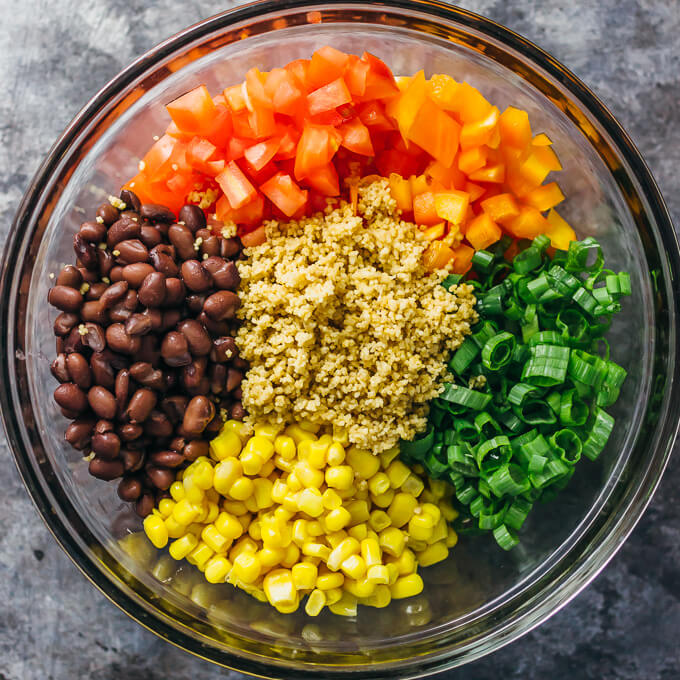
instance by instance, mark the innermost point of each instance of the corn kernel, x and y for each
(193, 492)
(432, 510)
(340, 553)
(156, 530)
(228, 526)
(227, 444)
(177, 491)
(280, 590)
(283, 464)
(284, 447)
(329, 580)
(316, 550)
(406, 586)
(437, 552)
(401, 508)
(386, 457)
(379, 520)
(413, 485)
(270, 557)
(217, 568)
(262, 446)
(213, 512)
(359, 511)
(448, 511)
(439, 532)
(241, 489)
(315, 528)
(263, 493)
(331, 500)
(333, 595)
(384, 499)
(360, 588)
(310, 502)
(165, 506)
(358, 531)
(379, 483)
(291, 555)
(237, 427)
(316, 455)
(416, 545)
(267, 431)
(255, 530)
(398, 473)
(378, 574)
(364, 463)
(236, 508)
(293, 481)
(420, 526)
(354, 567)
(226, 472)
(393, 572)
(451, 538)
(392, 541)
(345, 606)
(267, 468)
(251, 462)
(185, 512)
(201, 554)
(182, 546)
(370, 551)
(339, 476)
(335, 454)
(299, 434)
(381, 597)
(337, 519)
(214, 539)
(174, 528)
(203, 475)
(290, 502)
(309, 476)
(300, 533)
(304, 575)
(406, 562)
(279, 491)
(244, 544)
(315, 602)
(246, 567)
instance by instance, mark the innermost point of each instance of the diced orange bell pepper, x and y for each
(559, 231)
(435, 131)
(479, 132)
(541, 161)
(545, 197)
(442, 91)
(400, 189)
(419, 184)
(435, 232)
(500, 208)
(424, 211)
(452, 206)
(406, 106)
(474, 190)
(494, 174)
(541, 139)
(528, 224)
(450, 178)
(437, 256)
(462, 259)
(482, 231)
(472, 159)
(515, 128)
(470, 105)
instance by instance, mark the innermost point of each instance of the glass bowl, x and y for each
(481, 598)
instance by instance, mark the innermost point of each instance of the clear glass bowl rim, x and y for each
(595, 548)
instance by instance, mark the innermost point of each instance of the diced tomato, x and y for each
(284, 193)
(261, 175)
(332, 118)
(316, 202)
(251, 214)
(356, 137)
(380, 83)
(299, 69)
(254, 238)
(257, 96)
(356, 74)
(222, 127)
(327, 65)
(286, 96)
(194, 111)
(237, 147)
(390, 160)
(242, 126)
(158, 154)
(324, 180)
(328, 97)
(316, 148)
(235, 185)
(372, 114)
(260, 154)
(173, 131)
(235, 98)
(288, 145)
(262, 122)
(199, 152)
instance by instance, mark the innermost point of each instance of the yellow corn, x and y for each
(333, 595)
(336, 538)
(165, 507)
(280, 590)
(267, 431)
(392, 541)
(202, 475)
(251, 462)
(406, 586)
(235, 508)
(337, 519)
(370, 551)
(420, 526)
(432, 510)
(448, 511)
(308, 475)
(386, 457)
(379, 520)
(261, 446)
(331, 500)
(182, 546)
(246, 567)
(262, 493)
(439, 532)
(304, 575)
(340, 435)
(284, 447)
(383, 500)
(379, 483)
(413, 485)
(185, 512)
(358, 531)
(226, 473)
(228, 526)
(315, 602)
(354, 567)
(330, 580)
(358, 511)
(359, 588)
(378, 574)
(299, 434)
(437, 552)
(381, 597)
(451, 538)
(174, 528)
(398, 473)
(317, 452)
(406, 562)
(339, 476)
(283, 464)
(364, 463)
(177, 491)
(237, 427)
(401, 508)
(201, 554)
(345, 606)
(156, 530)
(217, 568)
(339, 554)
(255, 530)
(335, 454)
(291, 555)
(213, 512)
(241, 489)
(315, 528)
(310, 502)
(227, 444)
(214, 539)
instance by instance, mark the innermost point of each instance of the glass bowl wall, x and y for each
(480, 598)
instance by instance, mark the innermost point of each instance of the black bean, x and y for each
(145, 374)
(79, 433)
(119, 341)
(74, 341)
(123, 229)
(108, 213)
(163, 260)
(195, 302)
(175, 349)
(106, 445)
(131, 200)
(102, 402)
(121, 390)
(133, 459)
(161, 477)
(200, 411)
(106, 469)
(88, 275)
(70, 276)
(222, 305)
(102, 370)
(168, 459)
(224, 274)
(149, 350)
(102, 426)
(79, 370)
(152, 291)
(197, 337)
(113, 294)
(141, 404)
(130, 431)
(65, 322)
(59, 368)
(210, 246)
(131, 251)
(158, 425)
(195, 277)
(236, 411)
(71, 397)
(183, 239)
(135, 273)
(93, 311)
(174, 407)
(230, 247)
(155, 212)
(129, 489)
(175, 292)
(144, 505)
(196, 448)
(150, 236)
(95, 291)
(138, 324)
(65, 298)
(194, 376)
(193, 217)
(116, 274)
(224, 349)
(215, 327)
(94, 232)
(85, 251)
(105, 262)
(94, 337)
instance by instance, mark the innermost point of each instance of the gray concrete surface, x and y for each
(53, 624)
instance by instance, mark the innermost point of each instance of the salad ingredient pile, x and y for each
(343, 326)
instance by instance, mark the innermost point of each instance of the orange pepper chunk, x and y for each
(405, 108)
(545, 197)
(472, 159)
(436, 132)
(528, 224)
(515, 128)
(452, 206)
(424, 211)
(501, 207)
(443, 89)
(419, 184)
(482, 231)
(479, 132)
(559, 231)
(541, 139)
(435, 232)
(491, 173)
(475, 190)
(437, 256)
(470, 104)
(462, 259)
(400, 189)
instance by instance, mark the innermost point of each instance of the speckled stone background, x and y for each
(54, 55)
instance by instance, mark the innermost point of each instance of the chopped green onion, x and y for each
(482, 261)
(472, 399)
(600, 430)
(497, 351)
(464, 356)
(528, 260)
(517, 513)
(509, 480)
(547, 365)
(505, 537)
